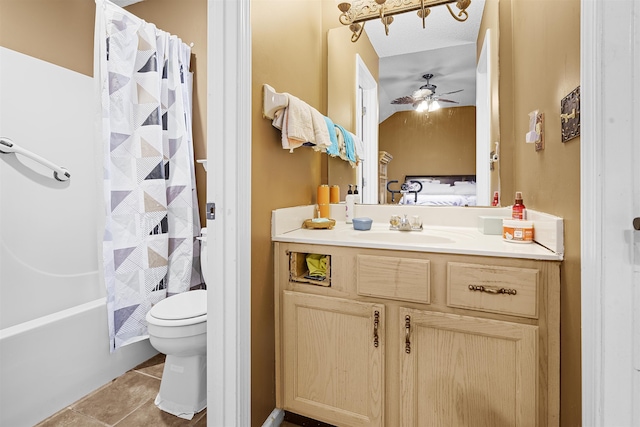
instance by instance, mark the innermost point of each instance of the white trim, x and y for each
(367, 96)
(590, 212)
(229, 235)
(483, 123)
(275, 418)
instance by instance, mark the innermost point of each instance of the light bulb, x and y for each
(434, 106)
(422, 106)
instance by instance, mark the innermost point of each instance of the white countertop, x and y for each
(441, 239)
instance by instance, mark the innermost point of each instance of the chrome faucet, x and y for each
(404, 225)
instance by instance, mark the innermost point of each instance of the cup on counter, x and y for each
(416, 221)
(334, 194)
(323, 200)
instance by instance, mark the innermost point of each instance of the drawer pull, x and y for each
(492, 290)
(376, 322)
(407, 330)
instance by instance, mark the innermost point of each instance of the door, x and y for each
(465, 371)
(333, 359)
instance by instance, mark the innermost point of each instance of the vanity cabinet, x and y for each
(403, 338)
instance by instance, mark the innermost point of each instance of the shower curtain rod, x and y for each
(8, 146)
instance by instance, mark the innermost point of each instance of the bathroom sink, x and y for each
(411, 237)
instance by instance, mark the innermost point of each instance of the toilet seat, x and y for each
(183, 309)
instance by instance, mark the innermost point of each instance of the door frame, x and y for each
(609, 64)
(483, 122)
(229, 234)
(367, 131)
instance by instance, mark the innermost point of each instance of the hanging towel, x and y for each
(299, 121)
(322, 137)
(359, 147)
(332, 150)
(348, 145)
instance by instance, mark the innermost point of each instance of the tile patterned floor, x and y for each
(126, 401)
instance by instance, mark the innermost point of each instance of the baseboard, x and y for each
(274, 419)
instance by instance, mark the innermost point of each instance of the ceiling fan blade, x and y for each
(404, 100)
(449, 93)
(447, 100)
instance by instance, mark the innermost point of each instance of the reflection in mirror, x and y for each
(458, 139)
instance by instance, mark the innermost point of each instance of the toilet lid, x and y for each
(181, 306)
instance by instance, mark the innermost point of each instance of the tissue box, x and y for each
(490, 224)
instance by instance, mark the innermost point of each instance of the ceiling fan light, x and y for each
(422, 106)
(434, 106)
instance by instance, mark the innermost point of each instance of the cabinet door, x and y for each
(466, 371)
(333, 359)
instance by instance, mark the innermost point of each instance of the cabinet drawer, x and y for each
(504, 290)
(404, 279)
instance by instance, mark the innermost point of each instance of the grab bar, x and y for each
(8, 146)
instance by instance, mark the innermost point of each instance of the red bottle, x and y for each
(496, 199)
(518, 211)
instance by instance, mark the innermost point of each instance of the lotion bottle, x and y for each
(350, 205)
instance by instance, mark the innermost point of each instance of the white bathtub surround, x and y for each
(445, 230)
(53, 316)
(150, 248)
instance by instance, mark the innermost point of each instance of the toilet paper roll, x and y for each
(323, 194)
(334, 196)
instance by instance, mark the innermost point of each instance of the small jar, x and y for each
(517, 231)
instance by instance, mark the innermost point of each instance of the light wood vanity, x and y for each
(417, 338)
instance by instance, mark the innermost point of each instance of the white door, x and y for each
(610, 199)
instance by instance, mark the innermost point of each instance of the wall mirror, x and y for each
(458, 62)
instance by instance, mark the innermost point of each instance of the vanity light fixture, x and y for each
(355, 13)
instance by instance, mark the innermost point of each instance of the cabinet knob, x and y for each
(636, 223)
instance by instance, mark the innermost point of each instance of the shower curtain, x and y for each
(150, 250)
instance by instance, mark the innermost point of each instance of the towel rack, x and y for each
(8, 146)
(272, 101)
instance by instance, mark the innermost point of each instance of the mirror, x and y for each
(451, 141)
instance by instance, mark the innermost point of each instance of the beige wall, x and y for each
(442, 142)
(287, 44)
(545, 67)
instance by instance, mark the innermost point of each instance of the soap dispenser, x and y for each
(350, 202)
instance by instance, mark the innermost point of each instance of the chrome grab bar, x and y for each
(8, 146)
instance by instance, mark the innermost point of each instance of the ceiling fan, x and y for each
(425, 98)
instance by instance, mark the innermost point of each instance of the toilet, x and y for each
(177, 327)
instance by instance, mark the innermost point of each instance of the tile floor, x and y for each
(126, 401)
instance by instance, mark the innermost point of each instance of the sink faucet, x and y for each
(404, 225)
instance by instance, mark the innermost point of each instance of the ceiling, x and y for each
(446, 48)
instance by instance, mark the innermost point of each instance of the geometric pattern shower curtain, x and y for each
(150, 249)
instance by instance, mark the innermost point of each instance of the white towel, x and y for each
(299, 121)
(359, 147)
(320, 130)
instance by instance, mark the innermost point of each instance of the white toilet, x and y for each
(177, 327)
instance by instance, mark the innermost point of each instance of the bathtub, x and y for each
(50, 362)
(54, 339)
